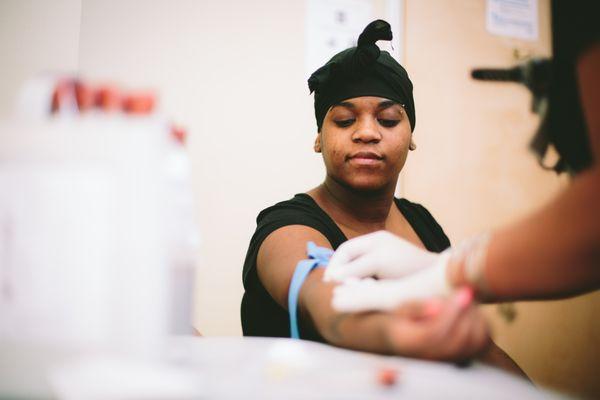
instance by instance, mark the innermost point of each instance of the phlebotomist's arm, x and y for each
(554, 252)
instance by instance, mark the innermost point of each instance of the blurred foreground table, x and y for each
(254, 368)
(285, 368)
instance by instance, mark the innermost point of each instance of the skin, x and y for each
(554, 252)
(358, 193)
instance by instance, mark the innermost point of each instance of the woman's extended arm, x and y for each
(452, 330)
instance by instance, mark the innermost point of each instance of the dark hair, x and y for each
(363, 70)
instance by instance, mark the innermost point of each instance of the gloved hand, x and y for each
(380, 254)
(355, 295)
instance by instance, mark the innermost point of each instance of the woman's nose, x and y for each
(366, 132)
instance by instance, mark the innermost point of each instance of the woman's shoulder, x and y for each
(413, 207)
(423, 222)
(299, 210)
(300, 204)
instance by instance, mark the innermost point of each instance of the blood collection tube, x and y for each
(108, 98)
(139, 103)
(84, 94)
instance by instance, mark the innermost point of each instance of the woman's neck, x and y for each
(355, 209)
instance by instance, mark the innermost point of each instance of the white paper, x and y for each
(513, 18)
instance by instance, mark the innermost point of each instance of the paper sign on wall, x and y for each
(513, 18)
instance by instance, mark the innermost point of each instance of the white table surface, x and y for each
(285, 368)
(260, 368)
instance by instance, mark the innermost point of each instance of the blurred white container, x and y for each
(88, 253)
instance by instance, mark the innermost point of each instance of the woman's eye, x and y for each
(388, 123)
(343, 123)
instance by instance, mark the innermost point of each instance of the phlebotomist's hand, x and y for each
(405, 272)
(379, 254)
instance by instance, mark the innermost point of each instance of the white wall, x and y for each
(35, 36)
(233, 73)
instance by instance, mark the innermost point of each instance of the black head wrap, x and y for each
(363, 70)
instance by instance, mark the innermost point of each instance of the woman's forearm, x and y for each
(452, 329)
(363, 331)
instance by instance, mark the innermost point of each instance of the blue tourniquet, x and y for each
(317, 257)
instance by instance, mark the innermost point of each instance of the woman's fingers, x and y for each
(451, 330)
(420, 310)
(469, 337)
(458, 325)
(481, 333)
(457, 305)
(460, 344)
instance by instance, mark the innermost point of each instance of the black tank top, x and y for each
(263, 316)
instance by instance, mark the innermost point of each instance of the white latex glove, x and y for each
(355, 295)
(381, 254)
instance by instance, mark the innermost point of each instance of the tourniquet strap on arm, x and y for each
(317, 257)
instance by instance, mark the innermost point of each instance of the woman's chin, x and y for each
(369, 185)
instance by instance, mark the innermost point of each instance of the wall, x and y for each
(35, 36)
(233, 73)
(473, 171)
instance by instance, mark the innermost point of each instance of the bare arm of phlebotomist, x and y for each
(555, 252)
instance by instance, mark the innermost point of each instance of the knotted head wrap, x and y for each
(363, 70)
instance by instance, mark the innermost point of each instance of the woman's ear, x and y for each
(317, 146)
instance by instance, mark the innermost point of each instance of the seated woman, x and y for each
(365, 117)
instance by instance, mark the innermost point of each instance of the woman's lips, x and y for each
(365, 158)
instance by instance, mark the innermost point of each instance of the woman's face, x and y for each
(364, 141)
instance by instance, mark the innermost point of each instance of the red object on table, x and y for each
(387, 376)
(179, 134)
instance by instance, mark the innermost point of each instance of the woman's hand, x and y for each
(379, 254)
(450, 330)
